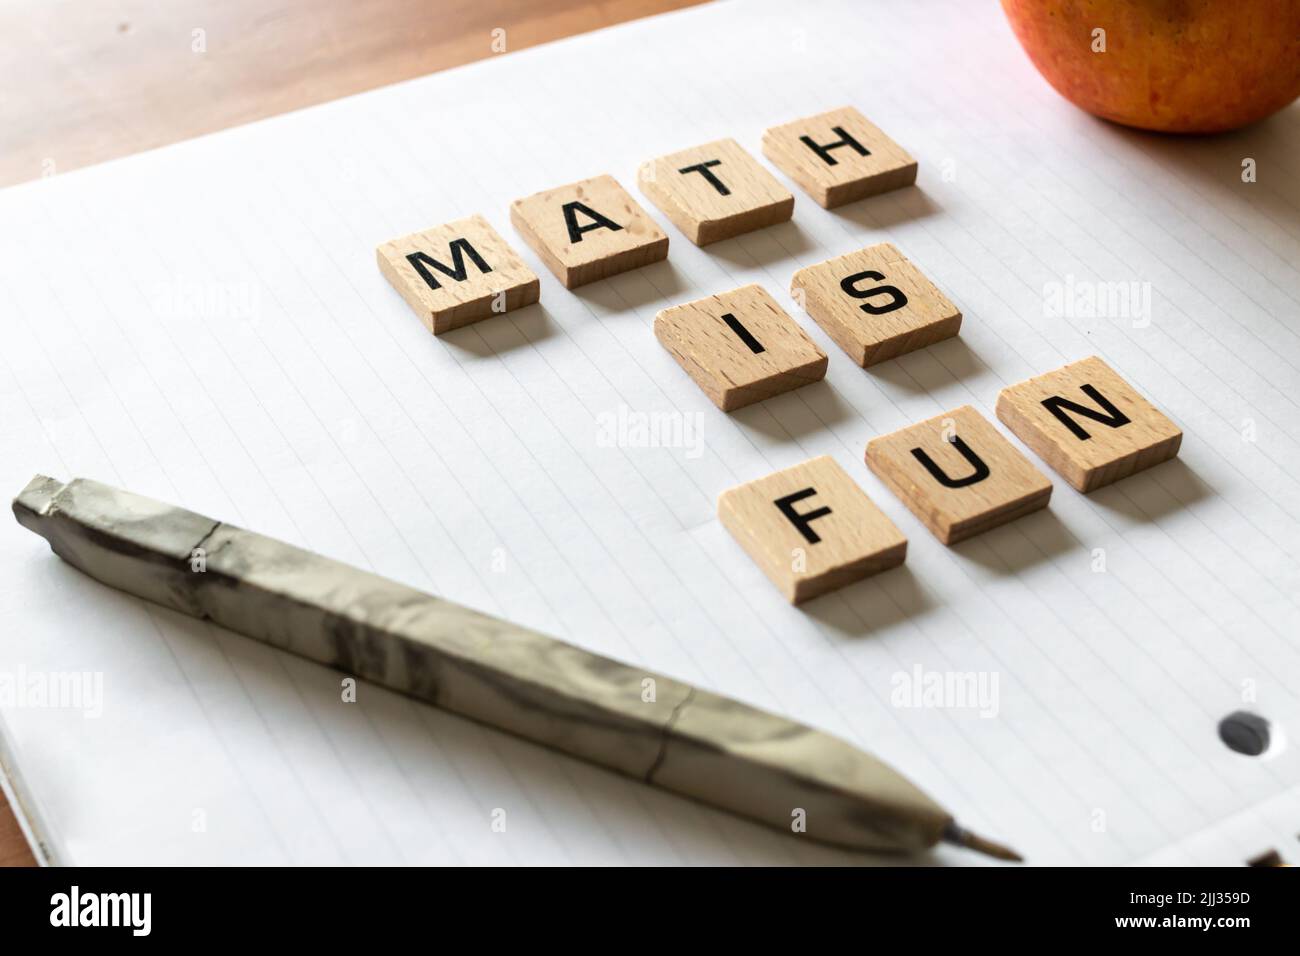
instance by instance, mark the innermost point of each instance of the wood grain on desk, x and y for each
(86, 82)
(14, 850)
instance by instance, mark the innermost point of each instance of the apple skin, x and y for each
(1177, 66)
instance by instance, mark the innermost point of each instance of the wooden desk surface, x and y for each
(97, 81)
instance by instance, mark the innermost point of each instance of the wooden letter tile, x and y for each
(456, 274)
(715, 191)
(588, 230)
(838, 157)
(875, 304)
(958, 474)
(1089, 424)
(811, 529)
(740, 346)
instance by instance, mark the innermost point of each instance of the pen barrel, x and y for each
(642, 724)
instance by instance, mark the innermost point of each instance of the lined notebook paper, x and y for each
(205, 324)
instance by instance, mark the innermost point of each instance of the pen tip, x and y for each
(973, 841)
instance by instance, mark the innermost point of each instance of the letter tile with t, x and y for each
(457, 273)
(838, 157)
(811, 529)
(740, 346)
(588, 230)
(958, 474)
(1089, 424)
(715, 191)
(875, 304)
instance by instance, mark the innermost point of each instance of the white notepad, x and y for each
(206, 324)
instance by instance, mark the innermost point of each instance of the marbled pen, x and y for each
(661, 731)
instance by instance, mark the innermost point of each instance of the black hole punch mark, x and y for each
(1245, 733)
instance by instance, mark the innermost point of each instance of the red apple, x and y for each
(1179, 66)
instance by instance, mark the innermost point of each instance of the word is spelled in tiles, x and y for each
(1089, 424)
(811, 529)
(715, 191)
(457, 273)
(839, 157)
(740, 347)
(958, 474)
(875, 304)
(588, 230)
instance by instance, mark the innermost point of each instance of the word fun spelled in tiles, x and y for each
(588, 230)
(958, 474)
(740, 346)
(715, 191)
(1089, 424)
(457, 273)
(839, 157)
(811, 529)
(875, 304)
